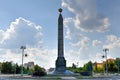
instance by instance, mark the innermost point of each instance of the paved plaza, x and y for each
(28, 77)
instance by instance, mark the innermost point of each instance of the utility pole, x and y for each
(23, 48)
(103, 63)
(105, 50)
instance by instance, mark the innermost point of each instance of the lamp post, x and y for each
(23, 48)
(105, 50)
(103, 64)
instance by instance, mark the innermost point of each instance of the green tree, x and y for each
(74, 66)
(112, 66)
(95, 67)
(6, 67)
(88, 67)
(25, 71)
(37, 68)
(39, 71)
(117, 61)
(18, 69)
(0, 66)
(31, 71)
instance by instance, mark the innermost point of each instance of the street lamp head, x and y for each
(106, 49)
(23, 47)
(103, 56)
(26, 55)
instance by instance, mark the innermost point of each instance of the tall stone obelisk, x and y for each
(60, 62)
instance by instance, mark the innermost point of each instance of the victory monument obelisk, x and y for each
(60, 62)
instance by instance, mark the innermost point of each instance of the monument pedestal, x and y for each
(60, 65)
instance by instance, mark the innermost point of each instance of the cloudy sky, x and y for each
(89, 27)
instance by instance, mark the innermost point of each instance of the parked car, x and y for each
(38, 74)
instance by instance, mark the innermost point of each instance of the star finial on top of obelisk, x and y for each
(60, 10)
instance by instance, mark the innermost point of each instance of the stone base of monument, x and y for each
(67, 72)
(61, 67)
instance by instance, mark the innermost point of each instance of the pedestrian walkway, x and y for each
(68, 78)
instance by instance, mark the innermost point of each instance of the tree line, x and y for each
(113, 66)
(12, 68)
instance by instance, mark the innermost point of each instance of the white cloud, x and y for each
(68, 22)
(112, 38)
(1, 36)
(80, 48)
(96, 42)
(97, 57)
(21, 32)
(112, 42)
(83, 42)
(86, 17)
(43, 57)
(70, 31)
(10, 55)
(74, 56)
